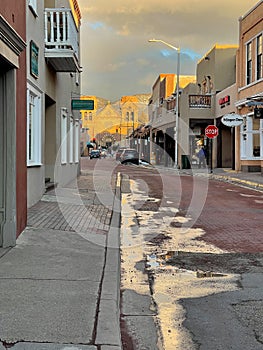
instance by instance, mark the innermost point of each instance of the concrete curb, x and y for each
(234, 180)
(229, 178)
(108, 327)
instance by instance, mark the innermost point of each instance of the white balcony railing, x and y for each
(61, 33)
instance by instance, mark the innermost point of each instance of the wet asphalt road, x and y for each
(231, 216)
(200, 225)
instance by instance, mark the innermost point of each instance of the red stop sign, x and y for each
(211, 131)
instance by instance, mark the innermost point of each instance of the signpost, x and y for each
(211, 131)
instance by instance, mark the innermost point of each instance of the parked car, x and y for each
(119, 152)
(103, 152)
(95, 153)
(129, 155)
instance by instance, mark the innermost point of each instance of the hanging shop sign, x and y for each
(232, 120)
(87, 105)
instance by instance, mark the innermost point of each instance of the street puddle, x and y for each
(158, 242)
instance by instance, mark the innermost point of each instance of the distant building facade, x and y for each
(110, 124)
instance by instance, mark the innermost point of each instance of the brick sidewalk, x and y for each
(75, 207)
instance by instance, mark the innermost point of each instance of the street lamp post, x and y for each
(176, 129)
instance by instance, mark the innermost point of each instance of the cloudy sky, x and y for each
(117, 58)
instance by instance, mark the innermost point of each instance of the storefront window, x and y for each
(251, 138)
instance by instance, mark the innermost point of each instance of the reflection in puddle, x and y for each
(157, 242)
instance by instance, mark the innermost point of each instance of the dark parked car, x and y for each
(95, 153)
(129, 156)
(119, 152)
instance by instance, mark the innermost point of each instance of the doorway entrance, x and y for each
(7, 155)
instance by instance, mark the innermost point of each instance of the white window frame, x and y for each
(34, 127)
(71, 140)
(259, 53)
(64, 136)
(76, 141)
(249, 60)
(246, 138)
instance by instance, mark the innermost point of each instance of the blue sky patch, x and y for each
(166, 53)
(192, 54)
(96, 25)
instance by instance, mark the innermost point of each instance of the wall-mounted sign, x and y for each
(224, 101)
(34, 53)
(232, 119)
(85, 105)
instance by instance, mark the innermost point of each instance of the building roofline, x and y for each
(218, 47)
(249, 11)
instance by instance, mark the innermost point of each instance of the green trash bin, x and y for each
(185, 162)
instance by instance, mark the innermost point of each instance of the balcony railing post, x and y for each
(68, 26)
(58, 28)
(64, 21)
(51, 27)
(46, 31)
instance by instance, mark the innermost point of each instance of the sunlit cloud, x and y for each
(114, 39)
(142, 61)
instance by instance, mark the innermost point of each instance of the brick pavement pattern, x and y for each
(231, 216)
(76, 208)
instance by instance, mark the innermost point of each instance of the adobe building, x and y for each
(197, 107)
(13, 172)
(249, 104)
(53, 79)
(162, 105)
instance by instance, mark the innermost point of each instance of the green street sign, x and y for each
(82, 105)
